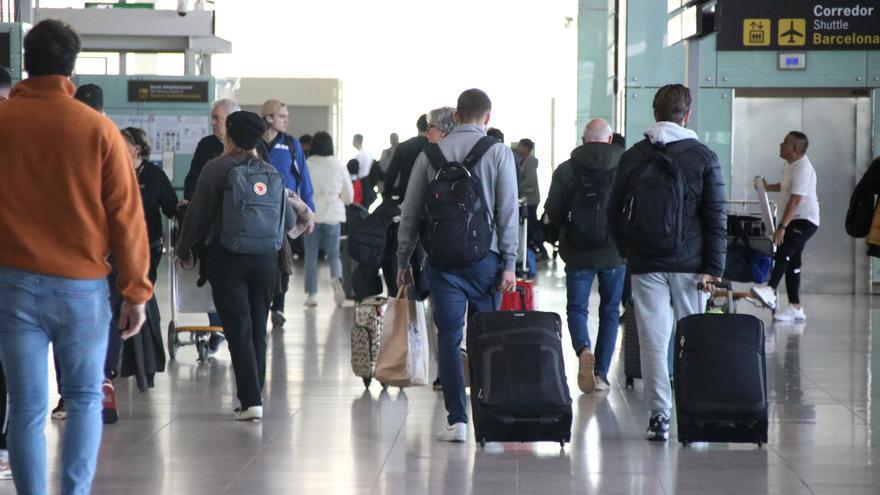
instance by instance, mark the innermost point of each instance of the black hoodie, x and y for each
(590, 156)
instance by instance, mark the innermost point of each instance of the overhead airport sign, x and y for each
(171, 91)
(798, 24)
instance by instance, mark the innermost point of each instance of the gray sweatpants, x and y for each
(661, 299)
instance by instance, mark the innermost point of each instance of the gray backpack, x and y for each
(252, 214)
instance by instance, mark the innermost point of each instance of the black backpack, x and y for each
(588, 211)
(366, 240)
(653, 209)
(458, 227)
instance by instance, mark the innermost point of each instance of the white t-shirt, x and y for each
(365, 163)
(799, 178)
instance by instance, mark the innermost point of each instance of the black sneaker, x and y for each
(437, 385)
(59, 412)
(658, 428)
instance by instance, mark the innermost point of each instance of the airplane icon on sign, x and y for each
(792, 33)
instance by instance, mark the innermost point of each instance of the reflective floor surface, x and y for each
(323, 433)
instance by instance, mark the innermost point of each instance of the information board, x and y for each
(798, 25)
(171, 91)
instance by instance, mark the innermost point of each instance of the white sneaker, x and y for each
(790, 314)
(5, 468)
(602, 384)
(310, 301)
(765, 295)
(453, 433)
(253, 413)
(338, 292)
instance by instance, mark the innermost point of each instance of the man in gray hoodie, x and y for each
(477, 285)
(666, 213)
(577, 205)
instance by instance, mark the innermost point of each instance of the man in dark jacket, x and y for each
(666, 213)
(397, 177)
(209, 147)
(590, 170)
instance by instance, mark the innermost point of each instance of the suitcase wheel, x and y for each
(562, 444)
(685, 443)
(482, 443)
(173, 341)
(367, 382)
(630, 383)
(384, 386)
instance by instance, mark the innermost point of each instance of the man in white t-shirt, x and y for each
(365, 161)
(800, 220)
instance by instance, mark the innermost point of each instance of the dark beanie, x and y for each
(245, 128)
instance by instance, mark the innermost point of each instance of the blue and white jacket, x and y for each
(280, 156)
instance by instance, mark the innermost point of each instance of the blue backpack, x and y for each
(252, 213)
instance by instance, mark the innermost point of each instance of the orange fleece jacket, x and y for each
(68, 193)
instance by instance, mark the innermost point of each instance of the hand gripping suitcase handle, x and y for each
(723, 284)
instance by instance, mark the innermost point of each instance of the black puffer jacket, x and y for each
(704, 228)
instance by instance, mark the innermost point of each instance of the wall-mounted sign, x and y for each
(798, 24)
(792, 61)
(170, 91)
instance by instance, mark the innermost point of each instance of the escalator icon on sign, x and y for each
(756, 32)
(792, 32)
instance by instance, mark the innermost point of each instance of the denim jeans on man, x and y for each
(652, 293)
(579, 284)
(72, 315)
(451, 294)
(324, 238)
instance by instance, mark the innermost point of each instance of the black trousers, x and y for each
(278, 301)
(788, 258)
(242, 286)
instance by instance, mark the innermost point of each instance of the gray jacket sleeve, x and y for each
(201, 210)
(411, 212)
(506, 207)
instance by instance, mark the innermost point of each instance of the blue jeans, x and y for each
(451, 293)
(72, 315)
(326, 238)
(579, 284)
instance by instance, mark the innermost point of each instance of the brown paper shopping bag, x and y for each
(404, 349)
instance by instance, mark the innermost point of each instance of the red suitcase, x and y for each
(524, 298)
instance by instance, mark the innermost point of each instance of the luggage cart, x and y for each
(760, 237)
(187, 297)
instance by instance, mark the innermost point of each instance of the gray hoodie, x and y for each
(497, 174)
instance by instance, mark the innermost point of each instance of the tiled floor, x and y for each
(323, 433)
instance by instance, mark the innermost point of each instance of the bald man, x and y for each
(580, 187)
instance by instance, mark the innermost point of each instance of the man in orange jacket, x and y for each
(68, 200)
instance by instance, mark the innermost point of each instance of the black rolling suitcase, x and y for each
(519, 392)
(721, 378)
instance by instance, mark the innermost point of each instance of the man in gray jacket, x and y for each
(452, 290)
(587, 248)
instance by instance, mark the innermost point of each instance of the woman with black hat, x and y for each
(243, 276)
